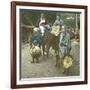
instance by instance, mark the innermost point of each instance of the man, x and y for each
(36, 38)
(42, 24)
(58, 21)
(65, 43)
(56, 26)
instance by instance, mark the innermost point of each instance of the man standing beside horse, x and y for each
(65, 42)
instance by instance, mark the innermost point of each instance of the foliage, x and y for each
(31, 17)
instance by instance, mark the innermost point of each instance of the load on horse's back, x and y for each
(35, 52)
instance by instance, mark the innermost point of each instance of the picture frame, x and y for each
(18, 9)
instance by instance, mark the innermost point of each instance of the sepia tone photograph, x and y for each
(50, 43)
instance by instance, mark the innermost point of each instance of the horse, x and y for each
(51, 40)
(47, 40)
(71, 32)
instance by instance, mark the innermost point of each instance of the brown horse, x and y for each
(50, 40)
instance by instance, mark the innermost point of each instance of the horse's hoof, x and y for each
(37, 61)
(32, 61)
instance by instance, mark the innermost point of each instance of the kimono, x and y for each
(36, 39)
(42, 25)
(65, 43)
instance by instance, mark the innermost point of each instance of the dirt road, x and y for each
(46, 66)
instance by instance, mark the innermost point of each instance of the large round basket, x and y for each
(67, 62)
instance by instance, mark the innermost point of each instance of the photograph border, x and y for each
(13, 44)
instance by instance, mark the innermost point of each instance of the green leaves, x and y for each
(31, 17)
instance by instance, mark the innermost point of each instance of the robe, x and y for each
(65, 43)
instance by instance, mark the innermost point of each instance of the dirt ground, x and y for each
(46, 66)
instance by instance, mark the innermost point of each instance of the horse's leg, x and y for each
(43, 48)
(37, 60)
(47, 49)
(58, 61)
